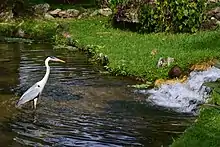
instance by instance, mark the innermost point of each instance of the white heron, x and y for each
(34, 92)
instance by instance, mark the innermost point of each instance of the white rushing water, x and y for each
(184, 97)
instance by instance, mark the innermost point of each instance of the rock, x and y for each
(6, 16)
(214, 13)
(162, 62)
(55, 12)
(175, 72)
(48, 16)
(213, 1)
(68, 13)
(63, 14)
(73, 12)
(71, 48)
(217, 16)
(94, 13)
(85, 14)
(41, 9)
(105, 11)
(218, 23)
(20, 33)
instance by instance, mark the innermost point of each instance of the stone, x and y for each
(94, 13)
(63, 14)
(71, 48)
(217, 16)
(214, 13)
(6, 16)
(66, 13)
(48, 16)
(175, 72)
(55, 12)
(213, 1)
(84, 14)
(105, 11)
(218, 23)
(73, 12)
(162, 62)
(20, 33)
(41, 9)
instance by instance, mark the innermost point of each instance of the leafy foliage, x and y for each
(115, 3)
(176, 16)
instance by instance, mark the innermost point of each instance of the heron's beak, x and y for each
(59, 60)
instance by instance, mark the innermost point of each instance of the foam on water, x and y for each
(184, 97)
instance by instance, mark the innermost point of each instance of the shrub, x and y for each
(115, 3)
(169, 15)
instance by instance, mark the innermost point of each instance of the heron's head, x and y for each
(52, 58)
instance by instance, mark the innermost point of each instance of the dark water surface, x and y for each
(79, 105)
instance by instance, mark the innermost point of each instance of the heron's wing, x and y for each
(30, 94)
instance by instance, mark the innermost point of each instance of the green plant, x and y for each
(114, 3)
(176, 16)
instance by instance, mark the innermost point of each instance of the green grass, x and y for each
(204, 133)
(129, 53)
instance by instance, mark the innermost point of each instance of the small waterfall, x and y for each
(184, 97)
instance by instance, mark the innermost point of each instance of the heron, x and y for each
(34, 92)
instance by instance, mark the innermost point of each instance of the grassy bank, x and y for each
(129, 53)
(204, 133)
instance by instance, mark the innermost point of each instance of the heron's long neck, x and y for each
(46, 76)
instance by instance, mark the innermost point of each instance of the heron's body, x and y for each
(34, 92)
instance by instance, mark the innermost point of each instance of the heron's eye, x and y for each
(38, 85)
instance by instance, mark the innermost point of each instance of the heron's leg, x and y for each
(35, 103)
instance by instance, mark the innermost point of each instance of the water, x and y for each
(79, 105)
(185, 97)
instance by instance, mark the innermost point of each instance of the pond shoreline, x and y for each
(55, 33)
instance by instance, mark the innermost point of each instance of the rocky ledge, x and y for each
(45, 11)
